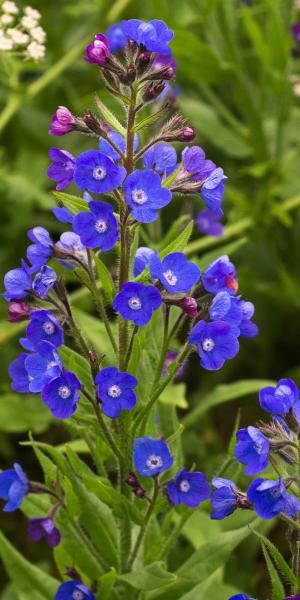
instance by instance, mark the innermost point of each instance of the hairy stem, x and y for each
(144, 526)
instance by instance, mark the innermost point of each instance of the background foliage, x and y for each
(235, 68)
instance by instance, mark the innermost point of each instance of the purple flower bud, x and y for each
(97, 52)
(152, 91)
(132, 480)
(44, 528)
(18, 311)
(187, 134)
(189, 306)
(62, 122)
(139, 492)
(296, 32)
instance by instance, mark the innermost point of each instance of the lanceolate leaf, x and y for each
(109, 117)
(278, 592)
(179, 244)
(105, 278)
(279, 560)
(73, 203)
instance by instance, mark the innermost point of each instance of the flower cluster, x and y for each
(21, 33)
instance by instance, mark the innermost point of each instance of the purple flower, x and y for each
(98, 51)
(44, 282)
(41, 250)
(154, 35)
(171, 356)
(119, 141)
(62, 214)
(96, 172)
(162, 60)
(17, 283)
(151, 456)
(224, 500)
(136, 302)
(43, 528)
(220, 276)
(270, 498)
(205, 171)
(73, 590)
(144, 195)
(44, 326)
(207, 222)
(62, 168)
(116, 37)
(62, 121)
(13, 487)
(61, 394)
(161, 158)
(189, 488)
(248, 329)
(282, 398)
(215, 342)
(175, 272)
(142, 260)
(296, 32)
(42, 366)
(98, 227)
(18, 374)
(252, 449)
(18, 311)
(115, 391)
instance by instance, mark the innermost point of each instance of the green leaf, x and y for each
(204, 261)
(95, 331)
(106, 280)
(109, 117)
(174, 395)
(73, 203)
(116, 501)
(179, 244)
(199, 60)
(151, 577)
(224, 393)
(78, 364)
(277, 588)
(280, 561)
(28, 579)
(106, 584)
(22, 413)
(148, 120)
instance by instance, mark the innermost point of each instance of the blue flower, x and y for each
(13, 487)
(220, 276)
(210, 177)
(240, 597)
(248, 329)
(189, 488)
(175, 272)
(42, 366)
(207, 222)
(41, 250)
(279, 400)
(96, 172)
(62, 214)
(154, 35)
(215, 342)
(43, 528)
(116, 37)
(98, 227)
(136, 302)
(71, 244)
(224, 500)
(62, 168)
(141, 260)
(44, 282)
(44, 326)
(17, 282)
(115, 391)
(18, 374)
(73, 590)
(61, 394)
(270, 498)
(151, 456)
(144, 195)
(119, 141)
(226, 308)
(252, 449)
(161, 158)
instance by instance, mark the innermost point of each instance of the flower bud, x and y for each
(18, 311)
(143, 62)
(132, 480)
(152, 91)
(139, 492)
(98, 51)
(62, 122)
(127, 77)
(189, 306)
(187, 134)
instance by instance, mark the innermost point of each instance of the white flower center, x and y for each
(258, 448)
(170, 277)
(99, 173)
(64, 392)
(101, 226)
(48, 327)
(78, 595)
(184, 486)
(154, 461)
(114, 391)
(208, 344)
(51, 364)
(139, 196)
(134, 303)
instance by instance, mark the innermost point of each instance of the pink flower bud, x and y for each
(98, 51)
(189, 306)
(187, 134)
(18, 311)
(62, 122)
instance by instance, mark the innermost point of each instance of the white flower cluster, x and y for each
(21, 33)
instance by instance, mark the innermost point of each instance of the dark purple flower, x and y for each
(141, 260)
(270, 498)
(62, 121)
(98, 51)
(44, 326)
(252, 449)
(44, 282)
(136, 302)
(42, 366)
(13, 487)
(96, 172)
(62, 168)
(17, 283)
(171, 356)
(18, 374)
(145, 195)
(220, 276)
(154, 35)
(98, 227)
(116, 37)
(189, 488)
(18, 311)
(61, 394)
(115, 390)
(215, 342)
(207, 222)
(43, 528)
(151, 456)
(175, 272)
(73, 590)
(41, 250)
(296, 32)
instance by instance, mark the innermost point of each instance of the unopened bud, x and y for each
(18, 311)
(127, 77)
(132, 480)
(244, 503)
(143, 62)
(92, 122)
(152, 91)
(187, 134)
(73, 573)
(139, 492)
(189, 306)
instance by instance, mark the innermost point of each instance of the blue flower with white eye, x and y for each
(13, 487)
(189, 488)
(208, 222)
(154, 35)
(145, 195)
(18, 374)
(151, 456)
(44, 281)
(42, 366)
(282, 398)
(252, 449)
(96, 172)
(73, 590)
(116, 37)
(205, 171)
(115, 390)
(44, 326)
(17, 282)
(142, 260)
(175, 272)
(119, 141)
(136, 302)
(224, 500)
(220, 276)
(62, 214)
(98, 227)
(161, 158)
(42, 248)
(62, 168)
(270, 498)
(61, 394)
(43, 528)
(216, 342)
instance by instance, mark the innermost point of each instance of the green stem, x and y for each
(144, 526)
(130, 347)
(13, 103)
(173, 536)
(103, 427)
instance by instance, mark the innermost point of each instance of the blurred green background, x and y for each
(237, 76)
